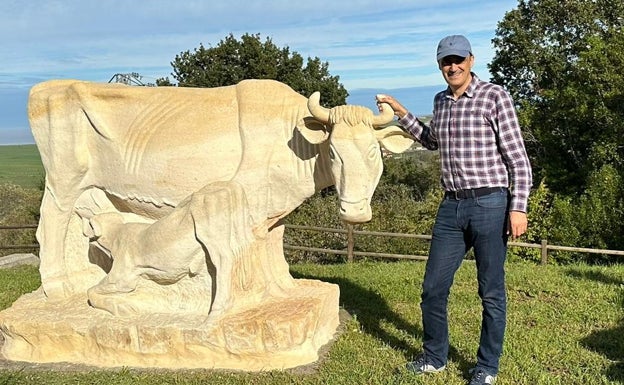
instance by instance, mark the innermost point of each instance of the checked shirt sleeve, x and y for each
(513, 152)
(420, 131)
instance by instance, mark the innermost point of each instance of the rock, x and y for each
(19, 259)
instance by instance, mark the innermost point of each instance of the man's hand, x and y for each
(397, 107)
(517, 224)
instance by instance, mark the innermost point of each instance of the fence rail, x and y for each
(20, 227)
(18, 247)
(351, 233)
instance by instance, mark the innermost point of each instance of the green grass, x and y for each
(21, 165)
(565, 326)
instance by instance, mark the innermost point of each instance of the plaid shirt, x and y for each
(479, 140)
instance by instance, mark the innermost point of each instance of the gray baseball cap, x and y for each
(456, 45)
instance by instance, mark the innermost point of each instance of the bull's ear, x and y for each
(313, 130)
(394, 139)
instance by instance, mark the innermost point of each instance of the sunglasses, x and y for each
(453, 59)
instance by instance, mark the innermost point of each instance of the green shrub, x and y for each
(419, 171)
(18, 206)
(320, 210)
(593, 219)
(603, 210)
(395, 210)
(539, 217)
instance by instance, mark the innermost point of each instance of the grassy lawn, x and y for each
(21, 165)
(565, 326)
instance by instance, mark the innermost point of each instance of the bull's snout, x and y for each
(355, 212)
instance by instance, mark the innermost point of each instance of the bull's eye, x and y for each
(373, 152)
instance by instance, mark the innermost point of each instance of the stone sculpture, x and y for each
(161, 227)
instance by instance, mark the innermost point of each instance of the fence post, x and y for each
(350, 242)
(544, 249)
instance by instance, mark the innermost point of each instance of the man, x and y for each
(486, 176)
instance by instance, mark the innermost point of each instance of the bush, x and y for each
(405, 201)
(593, 219)
(319, 210)
(539, 217)
(18, 206)
(396, 211)
(397, 207)
(417, 170)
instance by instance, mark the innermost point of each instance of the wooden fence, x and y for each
(351, 235)
(19, 247)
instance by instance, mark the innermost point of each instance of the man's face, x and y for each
(456, 70)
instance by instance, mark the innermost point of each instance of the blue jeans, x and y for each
(478, 223)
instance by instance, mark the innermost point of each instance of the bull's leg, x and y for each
(59, 126)
(222, 225)
(275, 267)
(65, 266)
(53, 224)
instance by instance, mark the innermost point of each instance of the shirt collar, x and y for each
(472, 87)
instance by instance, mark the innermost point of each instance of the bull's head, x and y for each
(355, 134)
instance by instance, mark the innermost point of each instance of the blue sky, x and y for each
(372, 46)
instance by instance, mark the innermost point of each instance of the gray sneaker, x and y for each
(421, 365)
(481, 377)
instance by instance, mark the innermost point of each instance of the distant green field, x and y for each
(21, 165)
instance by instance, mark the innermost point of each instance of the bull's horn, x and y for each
(385, 117)
(319, 112)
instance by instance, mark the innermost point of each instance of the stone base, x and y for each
(275, 333)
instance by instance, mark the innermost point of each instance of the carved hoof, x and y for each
(108, 288)
(217, 310)
(56, 287)
(114, 304)
(110, 297)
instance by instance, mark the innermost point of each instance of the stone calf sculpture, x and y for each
(213, 222)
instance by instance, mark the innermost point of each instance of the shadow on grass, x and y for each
(372, 311)
(608, 342)
(597, 276)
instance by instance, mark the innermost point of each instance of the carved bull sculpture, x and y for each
(163, 206)
(143, 151)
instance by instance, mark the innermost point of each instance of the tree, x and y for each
(540, 42)
(560, 61)
(234, 60)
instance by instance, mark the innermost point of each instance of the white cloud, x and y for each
(366, 43)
